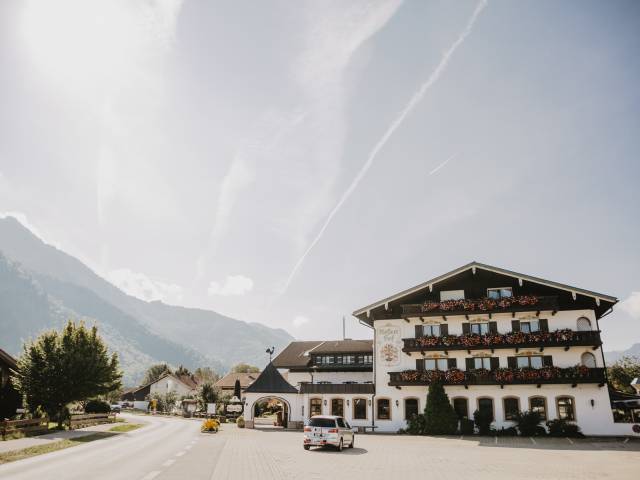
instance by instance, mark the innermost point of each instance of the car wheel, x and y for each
(306, 447)
(353, 441)
(340, 445)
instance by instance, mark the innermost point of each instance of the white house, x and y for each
(182, 386)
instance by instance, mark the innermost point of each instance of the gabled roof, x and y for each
(186, 380)
(344, 346)
(229, 380)
(270, 381)
(476, 265)
(8, 359)
(298, 354)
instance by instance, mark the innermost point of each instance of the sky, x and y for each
(289, 162)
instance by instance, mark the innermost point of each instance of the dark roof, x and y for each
(360, 313)
(364, 388)
(229, 380)
(270, 381)
(8, 359)
(298, 354)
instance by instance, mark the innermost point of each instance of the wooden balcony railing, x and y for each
(500, 376)
(523, 303)
(517, 340)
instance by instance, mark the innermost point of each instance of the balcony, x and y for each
(492, 341)
(523, 303)
(500, 376)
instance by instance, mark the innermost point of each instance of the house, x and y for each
(499, 341)
(181, 385)
(227, 383)
(10, 399)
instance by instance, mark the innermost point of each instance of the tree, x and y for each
(207, 393)
(183, 371)
(244, 368)
(236, 389)
(154, 372)
(63, 367)
(165, 402)
(206, 375)
(440, 417)
(623, 372)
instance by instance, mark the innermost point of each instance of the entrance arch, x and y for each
(282, 415)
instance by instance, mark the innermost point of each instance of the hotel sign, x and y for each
(389, 345)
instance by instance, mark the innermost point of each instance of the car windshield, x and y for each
(322, 422)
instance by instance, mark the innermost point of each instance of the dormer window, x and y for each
(498, 293)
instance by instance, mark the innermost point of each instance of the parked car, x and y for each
(323, 430)
(115, 408)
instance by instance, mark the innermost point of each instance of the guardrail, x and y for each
(90, 419)
(33, 426)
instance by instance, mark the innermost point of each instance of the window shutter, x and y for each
(544, 324)
(512, 362)
(493, 327)
(466, 329)
(469, 365)
(452, 363)
(547, 361)
(420, 364)
(419, 331)
(495, 363)
(444, 329)
(515, 325)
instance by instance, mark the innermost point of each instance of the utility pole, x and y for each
(344, 336)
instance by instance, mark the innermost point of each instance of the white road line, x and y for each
(570, 441)
(151, 475)
(169, 462)
(532, 440)
(179, 454)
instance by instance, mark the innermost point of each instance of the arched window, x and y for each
(486, 405)
(511, 407)
(337, 407)
(588, 359)
(566, 408)
(584, 324)
(383, 409)
(315, 407)
(410, 408)
(461, 406)
(539, 404)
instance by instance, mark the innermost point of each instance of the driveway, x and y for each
(172, 449)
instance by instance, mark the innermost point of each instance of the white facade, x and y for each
(169, 383)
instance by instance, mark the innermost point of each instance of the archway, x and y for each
(271, 412)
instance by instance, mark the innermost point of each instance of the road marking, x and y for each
(179, 454)
(570, 441)
(151, 475)
(532, 440)
(169, 462)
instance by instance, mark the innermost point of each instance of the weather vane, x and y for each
(270, 352)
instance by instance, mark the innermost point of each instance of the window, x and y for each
(315, 407)
(486, 405)
(565, 408)
(359, 408)
(384, 409)
(529, 362)
(498, 293)
(588, 359)
(368, 359)
(431, 330)
(584, 324)
(341, 422)
(364, 359)
(530, 326)
(451, 295)
(322, 422)
(482, 362)
(511, 408)
(538, 404)
(349, 359)
(337, 407)
(461, 406)
(479, 328)
(436, 364)
(410, 408)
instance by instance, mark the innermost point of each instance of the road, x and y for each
(173, 448)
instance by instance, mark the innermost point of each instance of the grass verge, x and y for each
(51, 447)
(127, 427)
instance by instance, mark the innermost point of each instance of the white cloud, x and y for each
(143, 287)
(632, 305)
(299, 321)
(233, 285)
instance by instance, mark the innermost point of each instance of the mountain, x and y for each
(614, 356)
(41, 287)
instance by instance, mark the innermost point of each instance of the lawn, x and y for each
(51, 447)
(127, 427)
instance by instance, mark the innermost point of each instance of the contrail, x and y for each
(433, 78)
(443, 164)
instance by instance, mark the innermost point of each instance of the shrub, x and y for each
(562, 428)
(528, 423)
(467, 426)
(416, 425)
(483, 419)
(507, 432)
(240, 422)
(439, 416)
(97, 406)
(210, 425)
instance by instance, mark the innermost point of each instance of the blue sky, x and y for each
(194, 151)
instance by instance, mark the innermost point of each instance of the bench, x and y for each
(367, 427)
